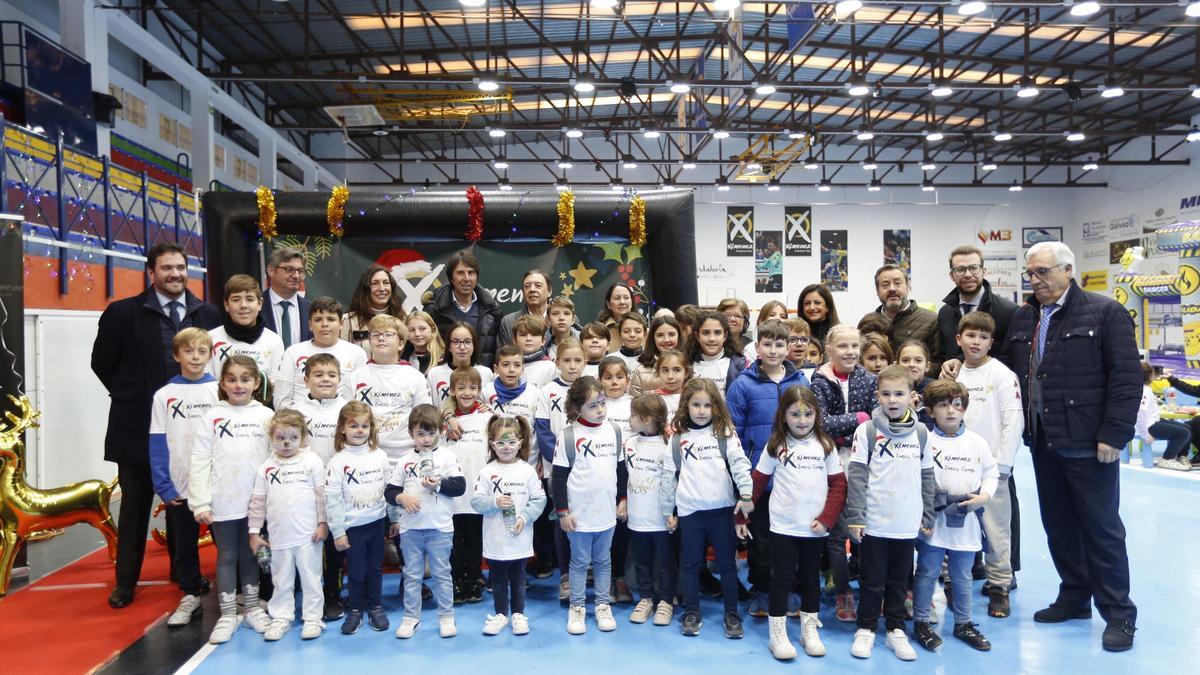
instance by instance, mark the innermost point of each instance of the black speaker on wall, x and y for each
(106, 107)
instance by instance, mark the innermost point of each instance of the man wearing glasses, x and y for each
(285, 310)
(972, 293)
(1074, 354)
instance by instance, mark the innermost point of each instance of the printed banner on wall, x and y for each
(897, 249)
(1003, 275)
(797, 229)
(834, 259)
(739, 231)
(1094, 280)
(768, 262)
(1036, 235)
(1116, 249)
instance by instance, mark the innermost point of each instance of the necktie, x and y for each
(1043, 327)
(285, 330)
(173, 310)
(966, 308)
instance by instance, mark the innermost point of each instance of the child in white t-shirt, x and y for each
(631, 328)
(462, 351)
(391, 387)
(966, 475)
(242, 330)
(649, 507)
(289, 495)
(614, 378)
(470, 450)
(325, 322)
(509, 495)
(529, 335)
(673, 371)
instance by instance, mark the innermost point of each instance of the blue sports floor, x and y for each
(1158, 508)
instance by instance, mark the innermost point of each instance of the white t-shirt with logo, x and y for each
(540, 372)
(962, 464)
(592, 485)
(894, 502)
(519, 481)
(552, 403)
(524, 406)
(267, 351)
(290, 486)
(705, 481)
(231, 443)
(175, 413)
(392, 391)
(288, 380)
(801, 484)
(356, 477)
(715, 369)
(437, 510)
(618, 412)
(995, 410)
(644, 458)
(322, 416)
(439, 381)
(471, 452)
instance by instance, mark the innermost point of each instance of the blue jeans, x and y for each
(594, 548)
(434, 546)
(929, 566)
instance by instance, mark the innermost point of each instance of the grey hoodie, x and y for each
(859, 474)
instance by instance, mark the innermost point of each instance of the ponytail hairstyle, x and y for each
(579, 393)
(722, 423)
(779, 428)
(652, 408)
(498, 424)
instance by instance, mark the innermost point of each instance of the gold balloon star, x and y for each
(568, 291)
(582, 276)
(562, 276)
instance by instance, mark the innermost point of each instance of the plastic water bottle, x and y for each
(263, 554)
(1172, 399)
(510, 517)
(425, 469)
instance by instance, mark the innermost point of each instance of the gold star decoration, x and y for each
(568, 291)
(562, 276)
(582, 276)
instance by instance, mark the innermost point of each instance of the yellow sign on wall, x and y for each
(1095, 280)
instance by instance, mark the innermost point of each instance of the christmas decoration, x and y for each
(335, 210)
(474, 214)
(566, 219)
(637, 221)
(266, 212)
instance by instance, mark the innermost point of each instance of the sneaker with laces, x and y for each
(277, 629)
(733, 626)
(446, 627)
(494, 624)
(898, 642)
(564, 588)
(576, 620)
(926, 636)
(408, 627)
(1180, 464)
(188, 607)
(691, 624)
(377, 618)
(352, 621)
(333, 608)
(778, 643)
(810, 637)
(641, 613)
(864, 642)
(257, 619)
(664, 613)
(223, 631)
(847, 608)
(312, 630)
(968, 633)
(520, 624)
(604, 618)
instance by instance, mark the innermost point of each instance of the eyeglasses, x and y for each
(798, 340)
(462, 343)
(963, 269)
(1040, 272)
(386, 335)
(506, 444)
(291, 270)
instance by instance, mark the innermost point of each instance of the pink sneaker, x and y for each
(847, 608)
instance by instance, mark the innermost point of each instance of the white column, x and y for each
(84, 30)
(310, 177)
(202, 137)
(267, 161)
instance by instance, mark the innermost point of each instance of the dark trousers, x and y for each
(1079, 500)
(1014, 555)
(699, 529)
(508, 581)
(185, 556)
(543, 535)
(1177, 436)
(758, 549)
(620, 550)
(654, 561)
(792, 556)
(137, 496)
(466, 558)
(364, 564)
(562, 548)
(835, 552)
(332, 576)
(884, 572)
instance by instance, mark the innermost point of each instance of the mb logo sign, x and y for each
(986, 236)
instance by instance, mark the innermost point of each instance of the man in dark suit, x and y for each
(284, 310)
(1076, 359)
(133, 358)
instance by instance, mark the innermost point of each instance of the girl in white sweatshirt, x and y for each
(231, 443)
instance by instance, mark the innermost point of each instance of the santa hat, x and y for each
(405, 263)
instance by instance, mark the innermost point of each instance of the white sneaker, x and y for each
(779, 644)
(1180, 465)
(810, 637)
(188, 607)
(408, 626)
(446, 627)
(223, 631)
(312, 630)
(604, 618)
(520, 624)
(642, 611)
(898, 642)
(576, 620)
(864, 642)
(495, 623)
(664, 613)
(276, 630)
(257, 619)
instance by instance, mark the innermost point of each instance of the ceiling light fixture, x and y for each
(847, 7)
(561, 185)
(679, 87)
(616, 185)
(857, 88)
(722, 185)
(565, 163)
(1192, 9)
(651, 133)
(496, 132)
(971, 7)
(864, 135)
(1085, 8)
(874, 185)
(1090, 166)
(773, 185)
(928, 165)
(1015, 187)
(505, 185)
(1001, 136)
(720, 134)
(1193, 135)
(1074, 136)
(824, 185)
(574, 133)
(988, 165)
(1025, 88)
(628, 162)
(934, 135)
(927, 186)
(487, 83)
(765, 88)
(687, 165)
(604, 4)
(472, 3)
(726, 5)
(1110, 90)
(380, 132)
(869, 164)
(796, 135)
(811, 165)
(585, 85)
(753, 166)
(939, 89)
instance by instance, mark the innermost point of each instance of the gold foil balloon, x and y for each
(160, 536)
(25, 509)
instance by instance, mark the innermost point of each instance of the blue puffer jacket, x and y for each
(1090, 375)
(839, 419)
(752, 400)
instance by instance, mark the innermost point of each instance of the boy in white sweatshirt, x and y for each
(325, 322)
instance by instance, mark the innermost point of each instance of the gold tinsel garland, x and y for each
(266, 212)
(335, 210)
(566, 219)
(637, 221)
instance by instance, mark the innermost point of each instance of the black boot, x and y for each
(926, 636)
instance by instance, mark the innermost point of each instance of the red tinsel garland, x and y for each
(474, 214)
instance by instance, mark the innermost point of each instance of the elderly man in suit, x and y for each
(133, 358)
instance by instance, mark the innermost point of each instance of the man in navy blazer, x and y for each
(285, 276)
(133, 357)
